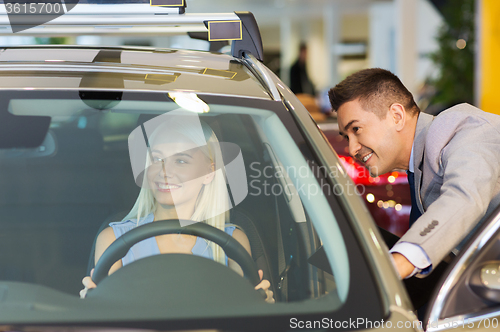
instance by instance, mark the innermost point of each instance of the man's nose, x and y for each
(354, 147)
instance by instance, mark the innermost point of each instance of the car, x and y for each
(79, 130)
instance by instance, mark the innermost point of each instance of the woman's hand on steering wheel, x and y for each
(265, 284)
(88, 283)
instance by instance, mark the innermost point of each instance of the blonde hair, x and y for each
(212, 204)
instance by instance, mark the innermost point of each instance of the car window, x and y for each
(61, 188)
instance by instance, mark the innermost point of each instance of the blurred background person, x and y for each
(299, 80)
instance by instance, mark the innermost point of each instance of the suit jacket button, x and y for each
(435, 223)
(423, 233)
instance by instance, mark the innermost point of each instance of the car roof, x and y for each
(127, 68)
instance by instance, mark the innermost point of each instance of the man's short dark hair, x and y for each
(377, 89)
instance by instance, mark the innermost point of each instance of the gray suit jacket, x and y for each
(457, 176)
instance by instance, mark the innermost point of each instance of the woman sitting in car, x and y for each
(182, 179)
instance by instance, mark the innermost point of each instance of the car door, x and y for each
(469, 295)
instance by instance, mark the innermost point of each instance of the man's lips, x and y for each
(166, 187)
(367, 157)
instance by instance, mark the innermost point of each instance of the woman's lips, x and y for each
(166, 187)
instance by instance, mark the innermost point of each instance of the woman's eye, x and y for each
(355, 129)
(181, 161)
(157, 160)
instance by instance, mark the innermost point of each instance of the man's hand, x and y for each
(404, 267)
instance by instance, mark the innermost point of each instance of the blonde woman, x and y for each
(183, 179)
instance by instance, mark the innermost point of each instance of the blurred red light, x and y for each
(360, 175)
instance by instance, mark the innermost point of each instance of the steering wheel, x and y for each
(119, 248)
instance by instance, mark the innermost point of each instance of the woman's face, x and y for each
(177, 174)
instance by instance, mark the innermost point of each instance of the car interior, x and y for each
(58, 194)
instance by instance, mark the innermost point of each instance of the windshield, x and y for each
(74, 164)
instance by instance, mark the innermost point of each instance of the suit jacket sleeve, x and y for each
(465, 173)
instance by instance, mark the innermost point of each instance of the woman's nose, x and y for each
(166, 169)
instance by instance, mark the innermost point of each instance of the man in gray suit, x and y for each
(452, 161)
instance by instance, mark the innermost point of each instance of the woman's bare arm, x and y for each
(242, 238)
(104, 240)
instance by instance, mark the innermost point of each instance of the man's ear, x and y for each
(398, 115)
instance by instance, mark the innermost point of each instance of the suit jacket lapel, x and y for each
(423, 123)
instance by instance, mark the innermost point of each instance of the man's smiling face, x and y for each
(372, 141)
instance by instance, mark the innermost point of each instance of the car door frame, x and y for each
(458, 275)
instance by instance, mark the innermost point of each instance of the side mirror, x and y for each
(485, 281)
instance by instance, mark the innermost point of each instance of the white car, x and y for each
(74, 119)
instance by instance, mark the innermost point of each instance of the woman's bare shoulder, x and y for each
(106, 235)
(242, 238)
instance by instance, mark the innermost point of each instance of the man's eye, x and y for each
(181, 161)
(157, 160)
(346, 138)
(355, 129)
